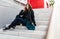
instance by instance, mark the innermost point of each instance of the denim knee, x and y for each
(31, 27)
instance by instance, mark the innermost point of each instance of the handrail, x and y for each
(20, 3)
(49, 23)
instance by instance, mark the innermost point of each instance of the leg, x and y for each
(14, 23)
(29, 25)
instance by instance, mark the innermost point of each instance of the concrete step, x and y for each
(38, 33)
(42, 19)
(2, 36)
(37, 28)
(43, 10)
(40, 14)
(24, 33)
(41, 22)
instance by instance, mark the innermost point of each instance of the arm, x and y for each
(21, 12)
(20, 2)
(33, 18)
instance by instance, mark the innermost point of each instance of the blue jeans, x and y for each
(24, 21)
(29, 25)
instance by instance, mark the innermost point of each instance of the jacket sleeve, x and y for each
(33, 18)
(21, 12)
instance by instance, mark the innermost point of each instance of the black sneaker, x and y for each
(6, 28)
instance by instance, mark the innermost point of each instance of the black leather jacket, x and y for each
(28, 15)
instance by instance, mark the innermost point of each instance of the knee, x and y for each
(31, 28)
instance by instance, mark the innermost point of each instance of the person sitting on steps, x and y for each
(25, 17)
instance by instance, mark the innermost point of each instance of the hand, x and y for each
(35, 24)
